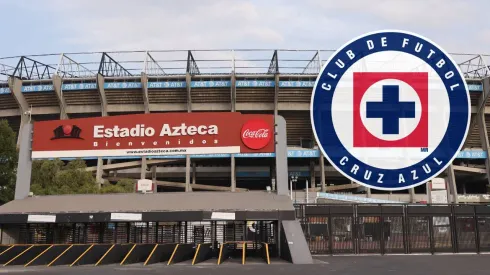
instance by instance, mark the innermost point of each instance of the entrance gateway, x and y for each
(157, 227)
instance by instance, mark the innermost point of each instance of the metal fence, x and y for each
(254, 232)
(395, 229)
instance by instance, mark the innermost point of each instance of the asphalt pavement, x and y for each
(459, 264)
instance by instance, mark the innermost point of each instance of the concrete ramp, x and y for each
(48, 255)
(182, 252)
(138, 254)
(115, 254)
(3, 248)
(12, 252)
(294, 247)
(69, 255)
(161, 253)
(27, 255)
(204, 252)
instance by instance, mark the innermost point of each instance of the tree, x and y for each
(122, 186)
(54, 177)
(8, 162)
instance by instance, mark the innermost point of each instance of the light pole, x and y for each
(307, 191)
(292, 179)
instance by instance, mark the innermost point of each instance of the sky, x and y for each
(55, 26)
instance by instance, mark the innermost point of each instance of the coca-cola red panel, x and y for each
(154, 134)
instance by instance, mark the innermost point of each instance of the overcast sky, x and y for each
(49, 26)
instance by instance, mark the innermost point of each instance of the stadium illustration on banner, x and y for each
(390, 110)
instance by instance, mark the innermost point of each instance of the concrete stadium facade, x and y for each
(64, 86)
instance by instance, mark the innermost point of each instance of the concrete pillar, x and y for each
(429, 193)
(233, 173)
(57, 81)
(276, 94)
(322, 172)
(233, 109)
(99, 173)
(188, 187)
(154, 173)
(15, 86)
(312, 174)
(281, 156)
(233, 92)
(154, 177)
(482, 127)
(143, 168)
(103, 108)
(194, 180)
(451, 180)
(24, 165)
(144, 90)
(368, 192)
(411, 192)
(103, 99)
(188, 88)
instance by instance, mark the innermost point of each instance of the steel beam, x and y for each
(110, 67)
(33, 71)
(274, 64)
(151, 66)
(133, 164)
(57, 81)
(192, 68)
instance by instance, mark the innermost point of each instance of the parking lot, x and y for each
(460, 264)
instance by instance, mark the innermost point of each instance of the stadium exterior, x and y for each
(280, 82)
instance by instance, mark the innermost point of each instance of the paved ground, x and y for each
(341, 265)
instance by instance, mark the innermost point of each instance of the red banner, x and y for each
(154, 134)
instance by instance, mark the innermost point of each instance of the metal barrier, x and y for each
(385, 229)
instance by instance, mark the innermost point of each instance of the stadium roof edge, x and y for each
(157, 63)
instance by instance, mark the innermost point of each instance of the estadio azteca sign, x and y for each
(154, 134)
(390, 110)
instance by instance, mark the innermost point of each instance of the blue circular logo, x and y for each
(390, 110)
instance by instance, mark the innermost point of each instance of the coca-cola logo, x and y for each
(256, 134)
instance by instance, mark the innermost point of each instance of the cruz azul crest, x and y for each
(390, 110)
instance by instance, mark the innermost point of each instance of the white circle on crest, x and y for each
(375, 94)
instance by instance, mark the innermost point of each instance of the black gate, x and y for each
(395, 229)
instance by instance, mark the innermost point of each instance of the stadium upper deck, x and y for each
(107, 83)
(73, 85)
